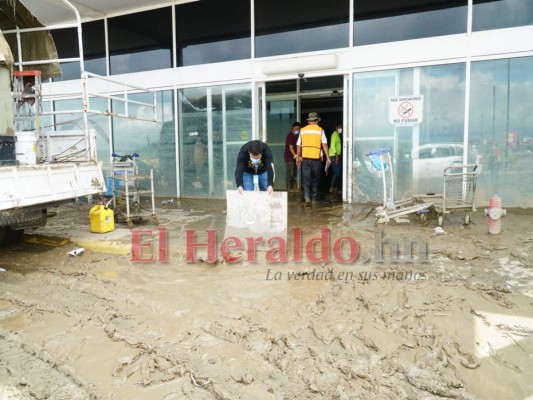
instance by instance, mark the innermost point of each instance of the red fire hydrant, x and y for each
(495, 212)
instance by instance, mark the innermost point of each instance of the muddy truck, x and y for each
(44, 164)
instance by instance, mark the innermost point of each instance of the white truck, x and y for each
(43, 166)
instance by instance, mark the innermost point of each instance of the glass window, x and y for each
(443, 151)
(382, 22)
(322, 83)
(153, 141)
(140, 41)
(420, 152)
(93, 37)
(501, 100)
(281, 87)
(424, 153)
(286, 27)
(211, 31)
(280, 116)
(74, 121)
(501, 14)
(214, 123)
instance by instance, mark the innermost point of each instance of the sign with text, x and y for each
(406, 110)
(254, 212)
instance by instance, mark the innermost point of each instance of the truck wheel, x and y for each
(8, 235)
(3, 235)
(16, 235)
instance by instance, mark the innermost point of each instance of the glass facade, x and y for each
(286, 27)
(211, 123)
(74, 121)
(382, 22)
(214, 123)
(281, 113)
(500, 131)
(501, 14)
(420, 150)
(141, 41)
(144, 41)
(206, 32)
(94, 53)
(154, 142)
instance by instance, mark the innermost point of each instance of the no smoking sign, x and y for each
(406, 110)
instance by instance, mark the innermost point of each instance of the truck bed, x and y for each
(29, 185)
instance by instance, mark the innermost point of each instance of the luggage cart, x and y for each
(459, 192)
(380, 161)
(128, 192)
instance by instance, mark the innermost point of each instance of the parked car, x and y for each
(430, 160)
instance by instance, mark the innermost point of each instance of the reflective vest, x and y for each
(311, 141)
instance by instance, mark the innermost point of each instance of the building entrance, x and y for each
(293, 100)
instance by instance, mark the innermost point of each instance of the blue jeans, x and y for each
(248, 181)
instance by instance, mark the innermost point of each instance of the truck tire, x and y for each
(9, 236)
(3, 235)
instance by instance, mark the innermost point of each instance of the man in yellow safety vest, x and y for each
(311, 146)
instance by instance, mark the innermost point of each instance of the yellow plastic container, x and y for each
(102, 219)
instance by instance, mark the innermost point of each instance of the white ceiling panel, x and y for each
(51, 12)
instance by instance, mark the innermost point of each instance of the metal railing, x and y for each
(92, 86)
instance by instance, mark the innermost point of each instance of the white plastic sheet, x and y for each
(256, 214)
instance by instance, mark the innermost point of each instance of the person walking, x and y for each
(291, 155)
(254, 167)
(335, 151)
(310, 145)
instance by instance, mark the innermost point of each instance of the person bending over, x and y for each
(254, 170)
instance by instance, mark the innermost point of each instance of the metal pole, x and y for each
(493, 112)
(507, 147)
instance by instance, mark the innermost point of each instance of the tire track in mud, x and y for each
(327, 354)
(80, 297)
(89, 300)
(349, 343)
(31, 373)
(84, 298)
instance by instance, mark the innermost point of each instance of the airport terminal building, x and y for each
(437, 81)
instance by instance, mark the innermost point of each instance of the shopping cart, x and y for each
(380, 162)
(458, 192)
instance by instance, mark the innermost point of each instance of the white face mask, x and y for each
(296, 132)
(254, 161)
(339, 130)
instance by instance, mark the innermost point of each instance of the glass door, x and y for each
(292, 100)
(371, 130)
(281, 113)
(214, 123)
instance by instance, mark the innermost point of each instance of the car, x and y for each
(430, 160)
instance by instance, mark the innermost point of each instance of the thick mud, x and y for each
(455, 322)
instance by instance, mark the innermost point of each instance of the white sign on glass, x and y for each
(406, 110)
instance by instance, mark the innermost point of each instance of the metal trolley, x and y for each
(458, 192)
(380, 161)
(128, 191)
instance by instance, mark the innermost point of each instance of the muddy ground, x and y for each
(99, 326)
